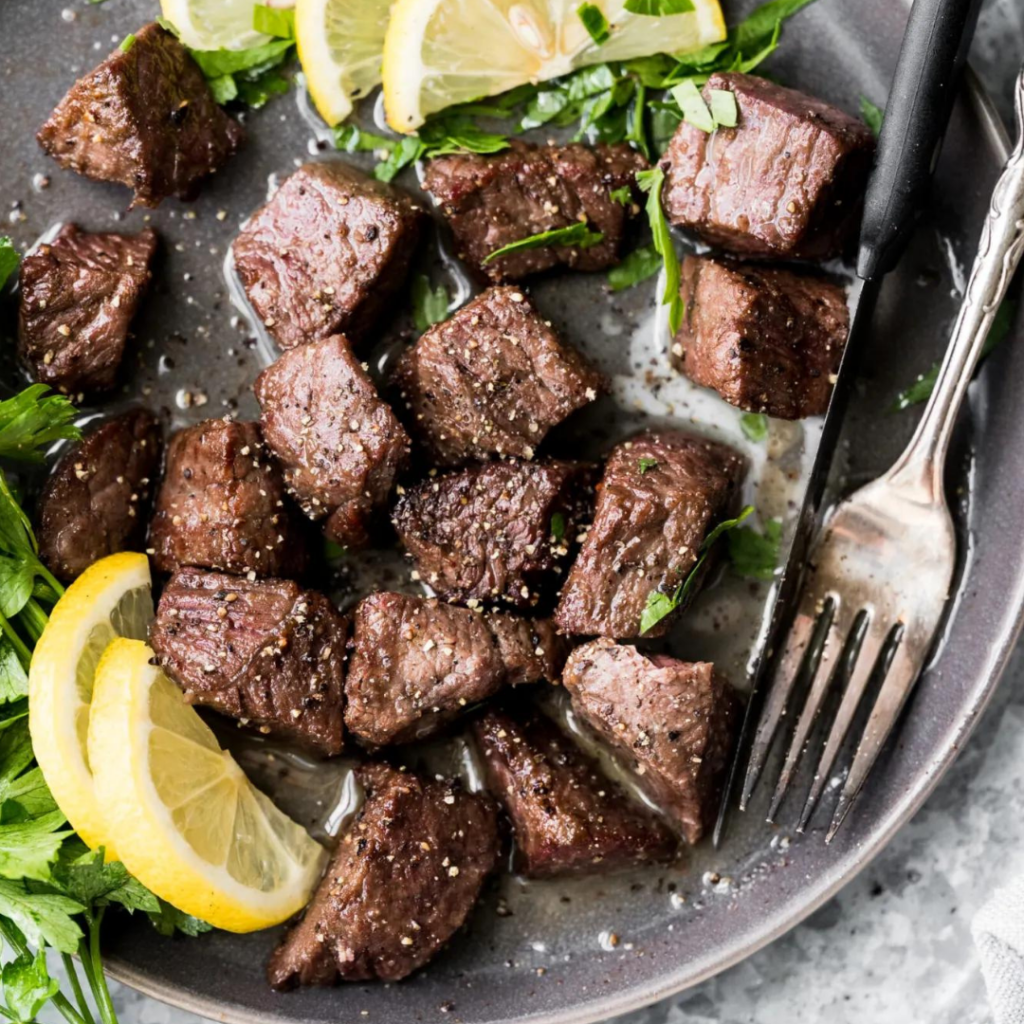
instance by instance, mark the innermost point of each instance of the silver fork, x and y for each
(879, 573)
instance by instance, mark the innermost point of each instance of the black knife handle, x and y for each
(920, 102)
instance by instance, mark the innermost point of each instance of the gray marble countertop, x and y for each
(894, 947)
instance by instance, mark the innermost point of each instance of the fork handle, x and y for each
(999, 252)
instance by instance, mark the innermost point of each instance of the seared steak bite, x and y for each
(767, 340)
(340, 445)
(222, 505)
(676, 721)
(145, 118)
(403, 880)
(491, 380)
(327, 254)
(662, 492)
(568, 818)
(79, 294)
(265, 652)
(96, 501)
(786, 182)
(494, 200)
(500, 531)
(417, 664)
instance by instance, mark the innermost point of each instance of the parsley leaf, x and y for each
(351, 139)
(724, 110)
(594, 22)
(558, 525)
(638, 266)
(429, 305)
(623, 196)
(32, 421)
(762, 24)
(644, 464)
(274, 21)
(921, 390)
(251, 75)
(652, 182)
(659, 604)
(659, 8)
(577, 233)
(41, 917)
(756, 555)
(169, 919)
(13, 677)
(27, 985)
(407, 151)
(9, 259)
(691, 103)
(754, 425)
(872, 116)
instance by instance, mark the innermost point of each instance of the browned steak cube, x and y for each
(492, 380)
(222, 505)
(96, 501)
(340, 445)
(79, 294)
(500, 531)
(568, 818)
(786, 182)
(403, 880)
(767, 340)
(676, 721)
(492, 201)
(662, 492)
(417, 664)
(145, 118)
(327, 254)
(265, 652)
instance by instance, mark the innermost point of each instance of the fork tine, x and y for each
(828, 663)
(871, 645)
(784, 680)
(899, 680)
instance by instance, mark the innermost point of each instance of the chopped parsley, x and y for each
(558, 526)
(429, 305)
(872, 116)
(659, 8)
(578, 233)
(127, 43)
(691, 103)
(659, 604)
(623, 196)
(644, 464)
(638, 266)
(724, 109)
(754, 425)
(10, 258)
(756, 555)
(594, 22)
(250, 76)
(652, 182)
(921, 390)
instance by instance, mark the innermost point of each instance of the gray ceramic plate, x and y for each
(584, 950)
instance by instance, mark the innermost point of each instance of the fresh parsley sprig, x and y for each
(660, 604)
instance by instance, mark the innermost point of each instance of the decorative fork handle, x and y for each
(999, 252)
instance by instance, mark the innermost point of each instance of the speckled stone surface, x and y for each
(894, 947)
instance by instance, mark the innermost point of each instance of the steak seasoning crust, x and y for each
(677, 722)
(567, 816)
(787, 182)
(265, 652)
(403, 880)
(661, 494)
(145, 118)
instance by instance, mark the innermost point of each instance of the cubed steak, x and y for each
(491, 201)
(403, 880)
(787, 181)
(96, 501)
(417, 664)
(661, 494)
(79, 294)
(567, 816)
(675, 721)
(145, 118)
(341, 446)
(264, 652)
(222, 505)
(327, 254)
(501, 531)
(491, 380)
(767, 340)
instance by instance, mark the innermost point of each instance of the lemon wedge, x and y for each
(213, 24)
(185, 820)
(340, 44)
(441, 52)
(111, 598)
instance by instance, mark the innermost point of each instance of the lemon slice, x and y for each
(186, 821)
(340, 44)
(213, 24)
(111, 598)
(440, 52)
